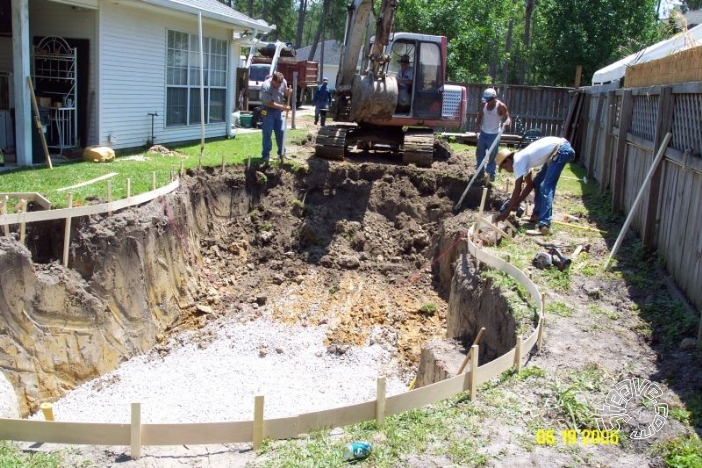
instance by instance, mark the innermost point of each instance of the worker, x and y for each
(322, 101)
(404, 82)
(549, 153)
(274, 95)
(492, 113)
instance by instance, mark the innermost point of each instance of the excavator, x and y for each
(375, 107)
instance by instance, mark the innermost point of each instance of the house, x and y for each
(332, 57)
(122, 73)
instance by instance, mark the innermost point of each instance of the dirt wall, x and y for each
(130, 276)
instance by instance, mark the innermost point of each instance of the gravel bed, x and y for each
(217, 380)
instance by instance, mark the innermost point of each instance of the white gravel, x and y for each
(218, 383)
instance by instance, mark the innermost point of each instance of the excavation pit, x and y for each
(362, 253)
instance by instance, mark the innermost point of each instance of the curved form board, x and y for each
(63, 213)
(279, 428)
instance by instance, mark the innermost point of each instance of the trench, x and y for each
(231, 244)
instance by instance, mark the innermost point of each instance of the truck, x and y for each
(280, 57)
(374, 109)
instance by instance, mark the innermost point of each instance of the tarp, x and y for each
(680, 41)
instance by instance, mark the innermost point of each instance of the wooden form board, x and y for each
(137, 434)
(88, 210)
(30, 197)
(64, 432)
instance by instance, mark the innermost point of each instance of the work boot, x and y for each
(540, 231)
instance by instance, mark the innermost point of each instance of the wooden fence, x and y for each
(541, 107)
(621, 131)
(136, 434)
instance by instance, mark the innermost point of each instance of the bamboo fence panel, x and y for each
(681, 67)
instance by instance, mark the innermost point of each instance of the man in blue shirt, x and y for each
(274, 92)
(322, 101)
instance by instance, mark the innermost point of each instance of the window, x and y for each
(183, 79)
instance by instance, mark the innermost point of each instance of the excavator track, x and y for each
(418, 148)
(331, 142)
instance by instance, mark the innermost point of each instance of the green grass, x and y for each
(47, 181)
(681, 452)
(12, 457)
(559, 308)
(441, 430)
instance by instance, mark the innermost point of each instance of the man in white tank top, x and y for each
(491, 115)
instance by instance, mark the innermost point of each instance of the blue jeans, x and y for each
(272, 121)
(545, 183)
(320, 111)
(484, 142)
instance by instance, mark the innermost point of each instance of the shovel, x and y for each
(480, 168)
(284, 124)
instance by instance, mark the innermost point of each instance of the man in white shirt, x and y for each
(492, 114)
(549, 153)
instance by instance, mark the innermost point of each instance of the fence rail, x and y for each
(542, 107)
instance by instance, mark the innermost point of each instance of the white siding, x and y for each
(132, 75)
(55, 19)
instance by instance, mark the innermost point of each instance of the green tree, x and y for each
(593, 34)
(476, 30)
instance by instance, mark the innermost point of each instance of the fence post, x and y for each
(136, 431)
(595, 140)
(607, 161)
(380, 401)
(475, 351)
(620, 154)
(258, 422)
(109, 195)
(664, 123)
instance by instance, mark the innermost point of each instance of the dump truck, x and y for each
(280, 57)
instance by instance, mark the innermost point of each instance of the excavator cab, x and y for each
(421, 94)
(398, 96)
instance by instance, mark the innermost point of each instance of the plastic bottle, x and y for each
(357, 451)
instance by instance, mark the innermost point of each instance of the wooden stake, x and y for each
(644, 186)
(540, 337)
(135, 431)
(48, 410)
(468, 355)
(518, 354)
(475, 351)
(38, 124)
(181, 169)
(3, 210)
(258, 422)
(129, 187)
(67, 232)
(21, 208)
(109, 195)
(480, 216)
(380, 401)
(153, 180)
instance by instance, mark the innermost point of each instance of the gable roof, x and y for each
(214, 10)
(693, 18)
(332, 52)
